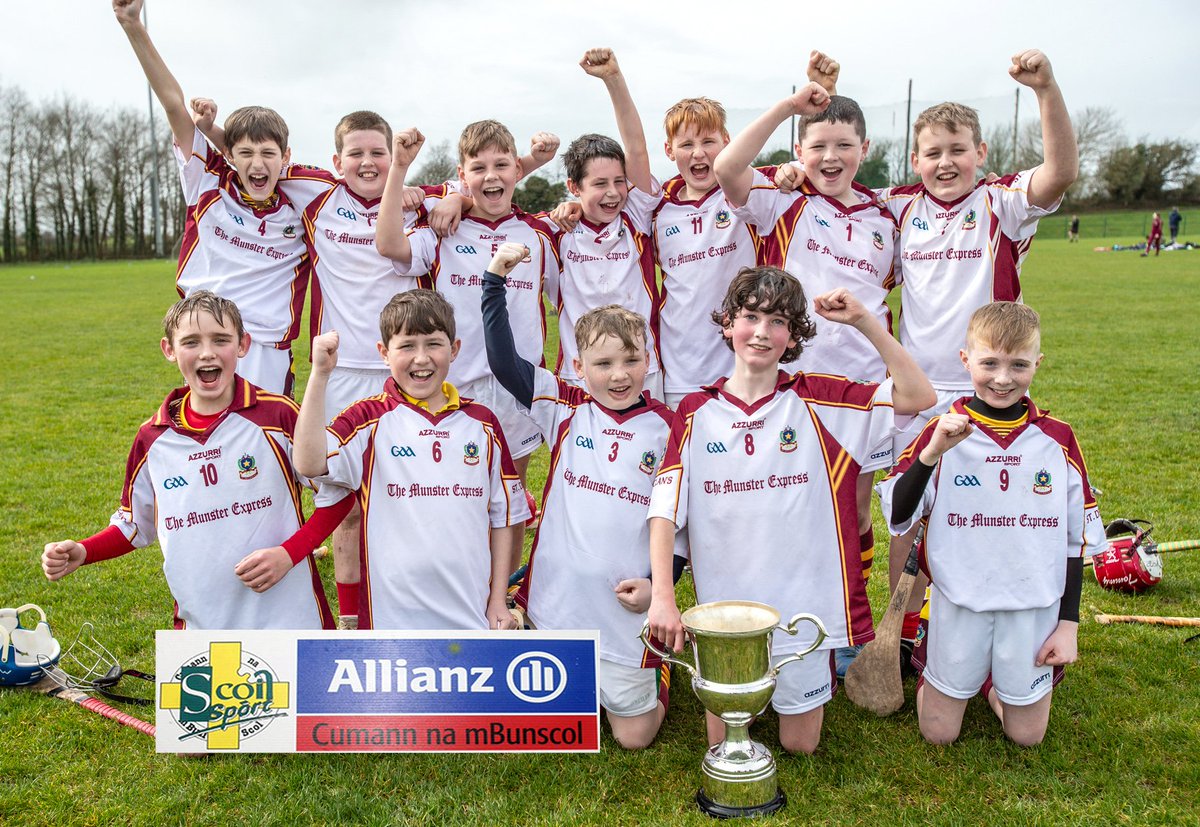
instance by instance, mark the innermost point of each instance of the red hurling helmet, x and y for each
(1131, 563)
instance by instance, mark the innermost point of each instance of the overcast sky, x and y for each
(439, 66)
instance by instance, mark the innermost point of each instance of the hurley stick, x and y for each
(1152, 620)
(873, 679)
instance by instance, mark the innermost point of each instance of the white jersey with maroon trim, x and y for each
(255, 258)
(431, 487)
(351, 282)
(593, 532)
(827, 245)
(211, 498)
(454, 266)
(700, 246)
(611, 264)
(768, 491)
(955, 258)
(1004, 513)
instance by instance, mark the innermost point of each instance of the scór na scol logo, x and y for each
(224, 695)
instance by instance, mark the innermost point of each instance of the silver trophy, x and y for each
(734, 679)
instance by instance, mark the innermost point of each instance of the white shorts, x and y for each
(805, 685)
(626, 691)
(268, 367)
(673, 399)
(348, 385)
(880, 457)
(902, 439)
(653, 384)
(520, 431)
(1003, 644)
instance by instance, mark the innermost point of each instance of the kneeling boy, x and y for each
(1019, 484)
(591, 553)
(777, 457)
(432, 474)
(210, 477)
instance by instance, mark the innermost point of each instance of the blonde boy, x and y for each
(210, 478)
(431, 471)
(777, 456)
(591, 554)
(997, 473)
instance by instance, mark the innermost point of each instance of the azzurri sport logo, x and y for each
(473, 694)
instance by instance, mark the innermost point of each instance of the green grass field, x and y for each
(82, 370)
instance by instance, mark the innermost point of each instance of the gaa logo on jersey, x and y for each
(722, 219)
(224, 695)
(877, 240)
(247, 467)
(1041, 482)
(289, 231)
(471, 454)
(969, 220)
(787, 440)
(649, 460)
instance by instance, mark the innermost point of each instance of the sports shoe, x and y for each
(907, 670)
(843, 657)
(345, 622)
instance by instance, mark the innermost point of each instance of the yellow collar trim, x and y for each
(453, 402)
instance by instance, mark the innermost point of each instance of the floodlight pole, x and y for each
(156, 218)
(904, 164)
(792, 141)
(1016, 107)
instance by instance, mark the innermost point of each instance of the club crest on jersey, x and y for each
(1041, 482)
(247, 467)
(877, 240)
(787, 440)
(969, 220)
(289, 231)
(722, 219)
(649, 460)
(471, 454)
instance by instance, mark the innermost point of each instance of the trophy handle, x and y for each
(790, 628)
(665, 654)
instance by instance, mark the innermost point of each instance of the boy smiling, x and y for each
(404, 451)
(591, 559)
(792, 445)
(218, 447)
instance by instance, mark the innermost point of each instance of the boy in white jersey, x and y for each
(210, 477)
(432, 475)
(776, 458)
(242, 238)
(591, 554)
(830, 233)
(489, 170)
(997, 473)
(607, 258)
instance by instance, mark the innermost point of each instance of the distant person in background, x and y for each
(1173, 222)
(1155, 238)
(1073, 229)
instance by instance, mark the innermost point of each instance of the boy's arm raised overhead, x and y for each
(1060, 166)
(911, 391)
(514, 374)
(204, 117)
(309, 454)
(602, 63)
(543, 146)
(824, 70)
(391, 240)
(732, 166)
(166, 88)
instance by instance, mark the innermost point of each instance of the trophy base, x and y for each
(715, 810)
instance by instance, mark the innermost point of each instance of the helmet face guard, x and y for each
(26, 652)
(1131, 564)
